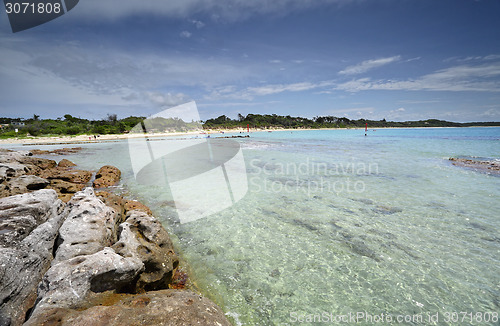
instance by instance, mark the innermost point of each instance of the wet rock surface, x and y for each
(106, 176)
(97, 259)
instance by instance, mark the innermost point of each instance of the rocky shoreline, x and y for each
(487, 166)
(72, 256)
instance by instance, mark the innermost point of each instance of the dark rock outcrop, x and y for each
(107, 176)
(28, 227)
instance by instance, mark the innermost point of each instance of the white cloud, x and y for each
(483, 78)
(354, 112)
(273, 89)
(492, 57)
(185, 34)
(231, 92)
(166, 100)
(92, 79)
(186, 111)
(198, 23)
(476, 58)
(368, 65)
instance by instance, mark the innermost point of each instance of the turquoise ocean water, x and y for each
(338, 224)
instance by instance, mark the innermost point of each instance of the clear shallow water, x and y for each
(335, 222)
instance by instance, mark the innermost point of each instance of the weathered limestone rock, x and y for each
(164, 307)
(11, 170)
(30, 223)
(67, 283)
(22, 184)
(7, 156)
(89, 227)
(20, 214)
(143, 237)
(107, 176)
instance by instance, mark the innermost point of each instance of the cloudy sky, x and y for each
(392, 59)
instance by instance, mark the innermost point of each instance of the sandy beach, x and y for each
(88, 138)
(83, 139)
(51, 140)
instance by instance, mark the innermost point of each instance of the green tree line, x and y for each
(265, 121)
(69, 125)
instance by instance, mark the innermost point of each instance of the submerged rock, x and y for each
(30, 223)
(387, 210)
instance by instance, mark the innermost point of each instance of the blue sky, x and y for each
(393, 59)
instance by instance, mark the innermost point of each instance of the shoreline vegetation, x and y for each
(72, 129)
(74, 252)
